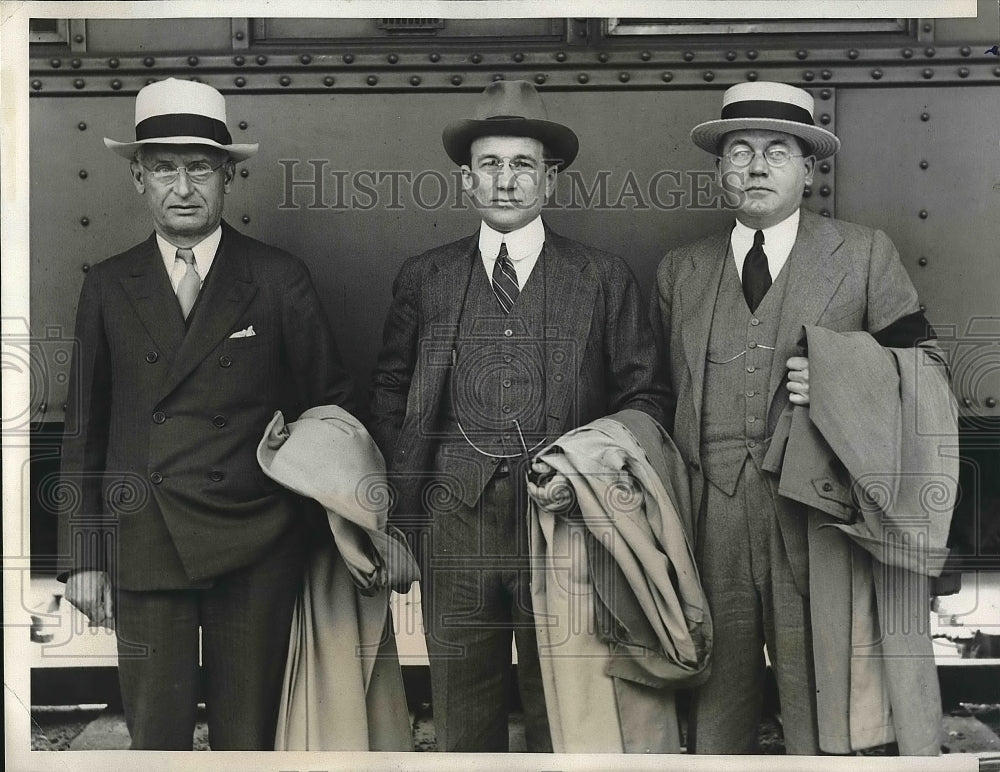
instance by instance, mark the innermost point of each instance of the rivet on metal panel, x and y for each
(518, 57)
(149, 61)
(85, 267)
(239, 61)
(688, 56)
(996, 71)
(809, 75)
(965, 51)
(991, 402)
(84, 221)
(261, 59)
(928, 73)
(922, 262)
(925, 116)
(75, 64)
(624, 77)
(825, 212)
(245, 218)
(392, 58)
(81, 126)
(923, 307)
(305, 59)
(825, 118)
(456, 80)
(414, 80)
(877, 74)
(239, 35)
(244, 172)
(709, 76)
(731, 55)
(852, 54)
(929, 51)
(497, 76)
(807, 191)
(826, 74)
(646, 56)
(825, 167)
(328, 81)
(583, 77)
(540, 78)
(603, 57)
(36, 85)
(371, 80)
(907, 53)
(825, 191)
(56, 63)
(83, 174)
(963, 72)
(825, 94)
(801, 53)
(78, 38)
(560, 56)
(243, 125)
(435, 57)
(193, 61)
(79, 83)
(751, 54)
(112, 63)
(284, 80)
(966, 402)
(116, 85)
(666, 77)
(752, 75)
(349, 58)
(924, 164)
(923, 214)
(240, 82)
(476, 58)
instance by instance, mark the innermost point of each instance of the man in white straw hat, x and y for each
(731, 308)
(188, 344)
(493, 345)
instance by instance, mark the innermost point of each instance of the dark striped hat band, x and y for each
(762, 108)
(182, 125)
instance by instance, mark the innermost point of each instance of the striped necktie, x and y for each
(190, 284)
(505, 280)
(756, 274)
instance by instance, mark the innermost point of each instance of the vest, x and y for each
(737, 374)
(497, 377)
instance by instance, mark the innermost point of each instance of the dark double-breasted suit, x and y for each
(164, 421)
(595, 355)
(840, 276)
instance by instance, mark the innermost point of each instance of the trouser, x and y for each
(475, 596)
(754, 602)
(245, 619)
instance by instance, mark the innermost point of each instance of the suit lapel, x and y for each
(570, 294)
(226, 294)
(813, 278)
(696, 296)
(148, 289)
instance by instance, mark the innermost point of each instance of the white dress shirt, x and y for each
(204, 255)
(778, 242)
(523, 246)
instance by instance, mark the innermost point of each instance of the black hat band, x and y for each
(763, 108)
(182, 125)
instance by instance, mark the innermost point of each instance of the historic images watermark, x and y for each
(311, 184)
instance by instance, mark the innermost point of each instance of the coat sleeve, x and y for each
(661, 314)
(396, 362)
(891, 294)
(85, 531)
(314, 361)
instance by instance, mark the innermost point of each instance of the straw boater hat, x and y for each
(770, 106)
(181, 112)
(511, 108)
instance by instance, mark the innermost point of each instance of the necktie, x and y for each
(187, 290)
(756, 276)
(505, 280)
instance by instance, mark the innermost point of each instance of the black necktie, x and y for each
(505, 280)
(756, 275)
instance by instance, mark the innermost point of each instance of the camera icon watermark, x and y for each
(41, 363)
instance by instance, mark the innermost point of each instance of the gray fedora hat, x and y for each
(511, 108)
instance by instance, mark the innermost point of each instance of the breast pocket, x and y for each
(251, 341)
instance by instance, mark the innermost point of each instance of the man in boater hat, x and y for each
(494, 345)
(188, 344)
(731, 308)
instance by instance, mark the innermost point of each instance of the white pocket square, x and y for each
(247, 333)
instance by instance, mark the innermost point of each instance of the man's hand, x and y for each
(553, 491)
(798, 380)
(90, 591)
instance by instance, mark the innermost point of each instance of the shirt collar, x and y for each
(525, 242)
(204, 251)
(778, 239)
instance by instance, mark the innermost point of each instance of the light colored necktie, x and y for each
(187, 290)
(505, 280)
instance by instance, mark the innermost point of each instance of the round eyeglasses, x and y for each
(199, 171)
(775, 156)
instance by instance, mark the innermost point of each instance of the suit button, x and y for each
(506, 408)
(557, 377)
(219, 421)
(159, 417)
(225, 360)
(508, 333)
(152, 356)
(751, 369)
(827, 487)
(215, 475)
(507, 358)
(695, 466)
(156, 478)
(752, 344)
(752, 444)
(755, 322)
(505, 383)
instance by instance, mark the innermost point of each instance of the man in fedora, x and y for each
(731, 308)
(188, 344)
(493, 345)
